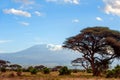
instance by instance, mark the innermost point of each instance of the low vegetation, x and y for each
(46, 70)
(114, 72)
(64, 71)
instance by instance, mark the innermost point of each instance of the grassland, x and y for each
(51, 76)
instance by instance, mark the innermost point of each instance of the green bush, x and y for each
(114, 72)
(34, 71)
(46, 70)
(3, 69)
(29, 69)
(64, 71)
(109, 74)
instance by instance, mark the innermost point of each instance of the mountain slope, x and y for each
(41, 54)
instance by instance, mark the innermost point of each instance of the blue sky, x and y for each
(24, 23)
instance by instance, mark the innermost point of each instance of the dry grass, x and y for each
(51, 76)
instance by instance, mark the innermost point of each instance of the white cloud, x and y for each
(53, 47)
(17, 12)
(38, 13)
(25, 23)
(76, 1)
(25, 2)
(99, 18)
(4, 41)
(65, 1)
(75, 21)
(112, 7)
(51, 0)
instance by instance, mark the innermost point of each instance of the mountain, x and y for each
(42, 54)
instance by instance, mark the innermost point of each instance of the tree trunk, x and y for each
(95, 70)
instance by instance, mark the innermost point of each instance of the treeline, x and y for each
(7, 66)
(63, 70)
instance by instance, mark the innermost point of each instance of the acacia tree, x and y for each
(98, 45)
(81, 62)
(15, 66)
(3, 63)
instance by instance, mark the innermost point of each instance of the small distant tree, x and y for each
(40, 67)
(57, 68)
(3, 65)
(15, 67)
(98, 45)
(81, 62)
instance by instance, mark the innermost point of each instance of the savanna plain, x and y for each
(11, 75)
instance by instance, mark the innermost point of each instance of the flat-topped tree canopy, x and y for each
(96, 44)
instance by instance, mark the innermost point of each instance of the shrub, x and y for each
(46, 70)
(29, 69)
(114, 72)
(34, 71)
(25, 70)
(109, 74)
(64, 71)
(3, 69)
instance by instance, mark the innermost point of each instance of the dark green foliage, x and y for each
(114, 72)
(29, 68)
(110, 74)
(3, 69)
(34, 71)
(64, 71)
(46, 70)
